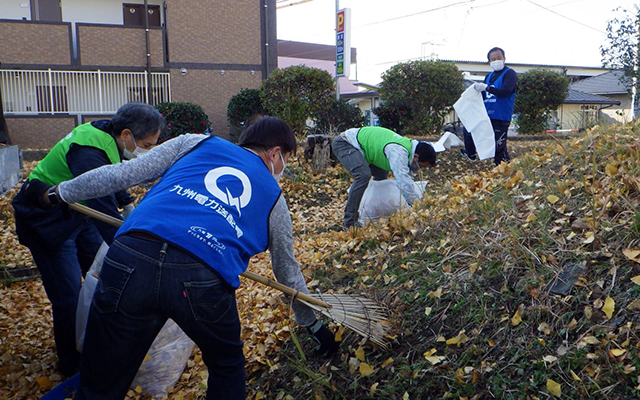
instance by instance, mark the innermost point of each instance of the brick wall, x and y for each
(38, 132)
(212, 91)
(214, 31)
(119, 46)
(24, 42)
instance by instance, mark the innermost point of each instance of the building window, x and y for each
(134, 14)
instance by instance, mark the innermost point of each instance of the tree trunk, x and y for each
(318, 150)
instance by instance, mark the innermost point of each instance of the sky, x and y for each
(550, 32)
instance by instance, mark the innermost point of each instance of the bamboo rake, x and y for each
(361, 315)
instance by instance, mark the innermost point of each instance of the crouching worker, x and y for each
(376, 151)
(63, 243)
(180, 253)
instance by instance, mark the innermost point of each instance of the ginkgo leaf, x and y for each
(549, 359)
(589, 238)
(453, 340)
(360, 353)
(631, 254)
(553, 199)
(372, 389)
(387, 362)
(516, 319)
(554, 387)
(427, 310)
(435, 359)
(618, 352)
(366, 369)
(574, 376)
(636, 279)
(609, 307)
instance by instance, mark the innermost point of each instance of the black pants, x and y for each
(500, 129)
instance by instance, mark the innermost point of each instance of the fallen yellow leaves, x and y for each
(433, 359)
(554, 388)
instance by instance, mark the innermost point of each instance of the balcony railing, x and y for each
(79, 92)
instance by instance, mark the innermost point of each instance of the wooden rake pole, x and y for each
(361, 315)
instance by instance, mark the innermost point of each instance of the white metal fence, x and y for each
(78, 92)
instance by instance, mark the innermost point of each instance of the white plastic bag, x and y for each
(167, 356)
(383, 198)
(165, 360)
(474, 117)
(86, 295)
(447, 141)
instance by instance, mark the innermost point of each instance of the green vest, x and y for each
(373, 140)
(53, 169)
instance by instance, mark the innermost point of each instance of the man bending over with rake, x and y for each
(181, 251)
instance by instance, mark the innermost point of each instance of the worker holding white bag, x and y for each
(499, 95)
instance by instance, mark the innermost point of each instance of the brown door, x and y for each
(46, 10)
(134, 14)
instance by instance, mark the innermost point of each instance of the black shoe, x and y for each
(68, 369)
(465, 155)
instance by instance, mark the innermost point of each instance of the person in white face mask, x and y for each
(499, 93)
(216, 205)
(63, 243)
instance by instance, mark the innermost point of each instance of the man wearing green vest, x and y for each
(63, 243)
(376, 151)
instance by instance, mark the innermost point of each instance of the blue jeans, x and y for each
(61, 271)
(142, 283)
(353, 161)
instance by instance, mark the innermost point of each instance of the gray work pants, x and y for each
(353, 161)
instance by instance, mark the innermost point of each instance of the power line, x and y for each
(565, 17)
(417, 13)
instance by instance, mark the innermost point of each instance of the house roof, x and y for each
(578, 97)
(607, 83)
(314, 51)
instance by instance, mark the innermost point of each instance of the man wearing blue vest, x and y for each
(181, 251)
(63, 243)
(499, 93)
(376, 151)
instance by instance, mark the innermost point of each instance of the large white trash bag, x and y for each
(167, 356)
(474, 117)
(447, 141)
(383, 198)
(86, 295)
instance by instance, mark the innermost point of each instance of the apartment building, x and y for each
(66, 62)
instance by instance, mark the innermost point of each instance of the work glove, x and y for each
(126, 210)
(480, 87)
(324, 337)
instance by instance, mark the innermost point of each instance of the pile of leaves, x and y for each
(510, 282)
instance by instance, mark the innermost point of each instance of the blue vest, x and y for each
(213, 203)
(500, 108)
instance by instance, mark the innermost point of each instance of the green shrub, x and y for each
(340, 117)
(182, 118)
(539, 93)
(421, 93)
(392, 117)
(296, 93)
(243, 106)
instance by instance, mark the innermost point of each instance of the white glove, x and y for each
(126, 210)
(480, 87)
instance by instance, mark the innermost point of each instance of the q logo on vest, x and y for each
(211, 183)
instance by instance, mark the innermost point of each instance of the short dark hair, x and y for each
(426, 153)
(143, 120)
(494, 49)
(268, 132)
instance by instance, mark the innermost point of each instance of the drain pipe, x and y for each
(146, 38)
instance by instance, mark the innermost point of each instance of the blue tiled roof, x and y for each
(607, 83)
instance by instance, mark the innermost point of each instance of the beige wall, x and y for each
(212, 91)
(34, 43)
(38, 132)
(214, 31)
(119, 46)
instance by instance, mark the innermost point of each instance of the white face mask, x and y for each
(135, 153)
(273, 169)
(497, 65)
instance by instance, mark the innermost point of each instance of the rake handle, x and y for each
(247, 274)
